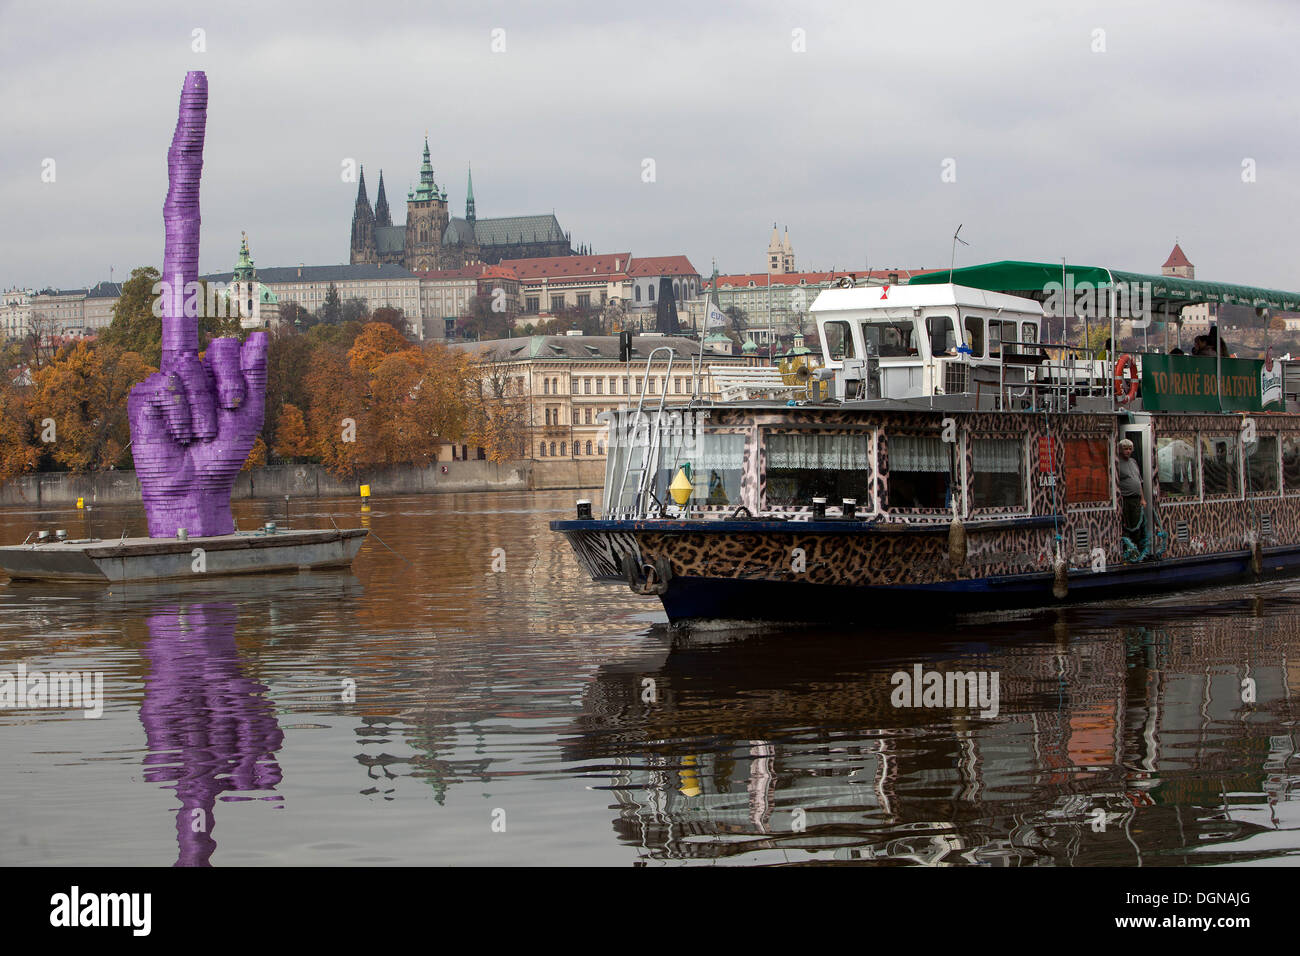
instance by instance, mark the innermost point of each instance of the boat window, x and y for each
(1290, 463)
(889, 340)
(716, 469)
(920, 472)
(1176, 468)
(943, 337)
(1261, 464)
(1087, 470)
(975, 335)
(999, 466)
(839, 341)
(1219, 464)
(1028, 332)
(999, 332)
(809, 465)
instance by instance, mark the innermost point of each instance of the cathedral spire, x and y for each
(382, 215)
(363, 225)
(428, 189)
(469, 197)
(363, 201)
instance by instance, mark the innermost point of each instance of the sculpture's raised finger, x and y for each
(180, 332)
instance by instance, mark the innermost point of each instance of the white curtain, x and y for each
(818, 452)
(1001, 455)
(719, 451)
(917, 453)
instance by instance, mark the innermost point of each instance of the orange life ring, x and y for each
(1125, 362)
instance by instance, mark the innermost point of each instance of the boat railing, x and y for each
(631, 428)
(1052, 376)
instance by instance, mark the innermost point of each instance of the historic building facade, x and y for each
(432, 239)
(560, 384)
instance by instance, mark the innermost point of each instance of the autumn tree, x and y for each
(256, 455)
(497, 413)
(18, 454)
(85, 390)
(288, 359)
(337, 411)
(376, 341)
(291, 440)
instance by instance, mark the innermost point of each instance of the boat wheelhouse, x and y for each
(947, 458)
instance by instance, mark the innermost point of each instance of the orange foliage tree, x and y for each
(256, 455)
(291, 439)
(17, 453)
(85, 390)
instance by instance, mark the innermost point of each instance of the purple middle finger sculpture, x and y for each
(193, 422)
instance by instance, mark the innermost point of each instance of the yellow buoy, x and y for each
(81, 503)
(365, 497)
(681, 488)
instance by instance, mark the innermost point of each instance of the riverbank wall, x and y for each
(313, 481)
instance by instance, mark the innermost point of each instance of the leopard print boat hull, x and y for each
(824, 572)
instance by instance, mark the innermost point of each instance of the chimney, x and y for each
(616, 262)
(893, 278)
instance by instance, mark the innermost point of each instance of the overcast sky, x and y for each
(1059, 149)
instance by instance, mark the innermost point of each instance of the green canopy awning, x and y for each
(1032, 279)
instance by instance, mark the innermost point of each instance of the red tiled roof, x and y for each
(499, 272)
(1177, 258)
(570, 267)
(662, 266)
(760, 279)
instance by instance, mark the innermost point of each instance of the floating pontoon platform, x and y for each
(156, 559)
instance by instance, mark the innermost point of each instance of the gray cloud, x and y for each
(1060, 151)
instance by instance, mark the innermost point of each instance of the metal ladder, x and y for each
(650, 461)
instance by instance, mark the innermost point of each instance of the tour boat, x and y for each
(946, 458)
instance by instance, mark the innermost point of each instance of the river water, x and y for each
(464, 696)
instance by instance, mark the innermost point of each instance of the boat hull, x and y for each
(855, 592)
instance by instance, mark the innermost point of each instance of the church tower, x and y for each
(774, 252)
(363, 227)
(787, 253)
(426, 220)
(1178, 264)
(469, 198)
(382, 216)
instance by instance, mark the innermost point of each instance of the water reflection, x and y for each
(1138, 736)
(211, 731)
(1123, 736)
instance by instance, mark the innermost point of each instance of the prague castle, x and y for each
(433, 239)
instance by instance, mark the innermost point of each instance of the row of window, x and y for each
(581, 416)
(896, 339)
(617, 385)
(1204, 465)
(564, 449)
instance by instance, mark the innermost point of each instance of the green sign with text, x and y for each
(1194, 383)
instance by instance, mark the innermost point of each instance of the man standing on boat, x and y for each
(1133, 502)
